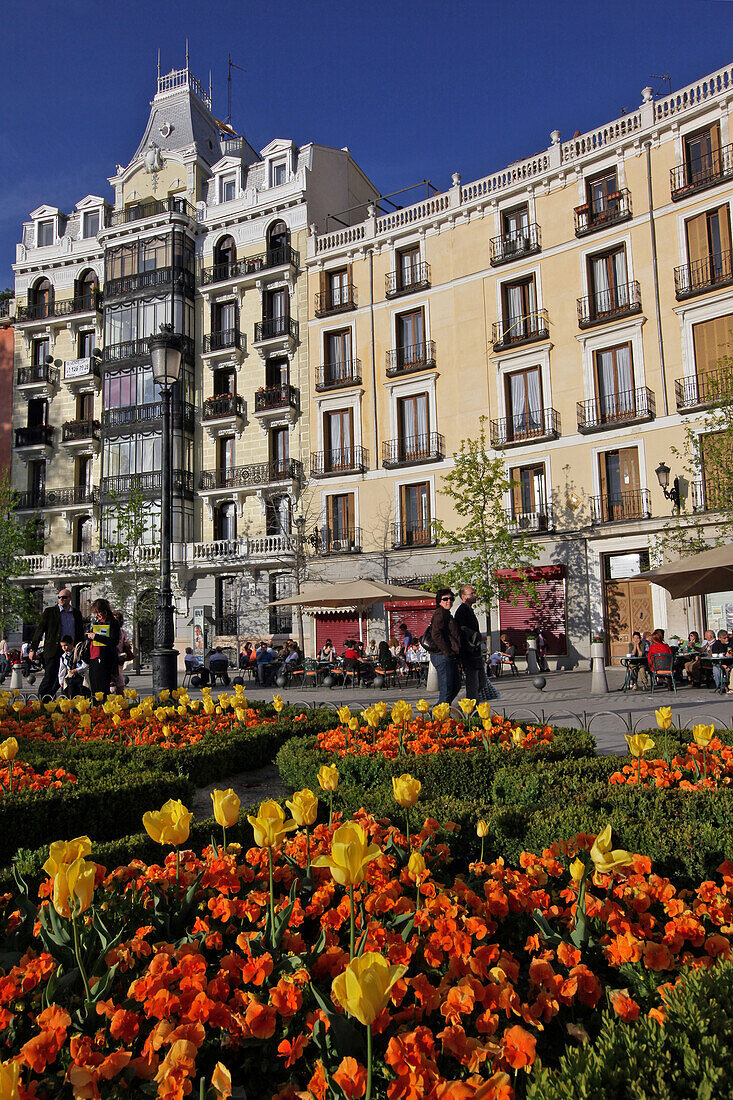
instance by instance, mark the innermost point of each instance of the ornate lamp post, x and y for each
(674, 494)
(165, 356)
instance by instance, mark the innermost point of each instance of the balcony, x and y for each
(609, 305)
(37, 381)
(344, 542)
(699, 174)
(513, 246)
(149, 483)
(42, 311)
(183, 415)
(704, 390)
(527, 427)
(599, 214)
(277, 404)
(332, 376)
(709, 273)
(617, 507)
(35, 440)
(281, 622)
(406, 535)
(140, 210)
(225, 411)
(137, 351)
(223, 340)
(520, 523)
(250, 267)
(339, 299)
(223, 553)
(413, 450)
(411, 358)
(345, 460)
(148, 280)
(515, 331)
(276, 328)
(80, 436)
(627, 407)
(82, 375)
(252, 477)
(33, 499)
(406, 280)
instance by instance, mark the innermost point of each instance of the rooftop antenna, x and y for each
(663, 77)
(232, 65)
(159, 64)
(210, 99)
(186, 51)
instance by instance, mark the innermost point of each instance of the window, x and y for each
(713, 340)
(524, 403)
(91, 223)
(37, 476)
(86, 344)
(278, 239)
(225, 382)
(413, 427)
(42, 298)
(83, 534)
(225, 256)
(279, 173)
(603, 196)
(226, 605)
(85, 406)
(45, 233)
(338, 432)
(415, 522)
(408, 267)
(277, 516)
(519, 310)
(40, 351)
(86, 288)
(717, 466)
(276, 304)
(338, 355)
(702, 156)
(608, 281)
(340, 521)
(528, 493)
(620, 484)
(277, 372)
(515, 230)
(227, 453)
(224, 317)
(615, 384)
(709, 247)
(37, 413)
(226, 521)
(228, 188)
(280, 451)
(338, 288)
(83, 472)
(411, 349)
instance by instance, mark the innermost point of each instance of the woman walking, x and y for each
(103, 638)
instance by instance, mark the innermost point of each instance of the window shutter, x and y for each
(712, 340)
(629, 467)
(515, 476)
(697, 238)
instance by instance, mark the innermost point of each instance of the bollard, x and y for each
(532, 663)
(599, 683)
(16, 678)
(432, 684)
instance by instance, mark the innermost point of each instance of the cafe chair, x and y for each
(661, 667)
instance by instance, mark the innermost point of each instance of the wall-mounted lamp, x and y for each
(662, 471)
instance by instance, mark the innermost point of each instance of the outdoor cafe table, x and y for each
(724, 664)
(631, 664)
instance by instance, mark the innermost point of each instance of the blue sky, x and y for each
(416, 90)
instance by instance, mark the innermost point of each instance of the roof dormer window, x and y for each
(278, 173)
(45, 233)
(91, 223)
(228, 188)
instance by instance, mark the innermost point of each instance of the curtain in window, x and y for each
(600, 285)
(518, 397)
(606, 385)
(534, 400)
(625, 380)
(621, 280)
(516, 322)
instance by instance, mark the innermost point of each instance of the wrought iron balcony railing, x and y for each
(261, 473)
(281, 622)
(273, 328)
(342, 460)
(409, 534)
(41, 372)
(250, 265)
(512, 246)
(74, 430)
(412, 449)
(604, 305)
(339, 542)
(139, 350)
(38, 435)
(708, 273)
(222, 406)
(31, 499)
(183, 414)
(222, 340)
(407, 279)
(520, 330)
(615, 507)
(538, 520)
(144, 280)
(123, 484)
(531, 425)
(701, 173)
(330, 376)
(413, 357)
(277, 397)
(337, 299)
(139, 210)
(615, 408)
(601, 212)
(708, 388)
(80, 303)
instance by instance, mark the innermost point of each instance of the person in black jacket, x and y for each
(472, 660)
(442, 642)
(103, 638)
(55, 623)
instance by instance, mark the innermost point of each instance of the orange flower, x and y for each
(519, 1048)
(624, 1005)
(351, 1078)
(657, 957)
(291, 1052)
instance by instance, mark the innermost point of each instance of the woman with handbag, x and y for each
(124, 654)
(103, 639)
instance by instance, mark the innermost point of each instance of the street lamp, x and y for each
(165, 357)
(662, 471)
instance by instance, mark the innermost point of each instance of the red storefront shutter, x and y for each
(415, 613)
(548, 612)
(338, 628)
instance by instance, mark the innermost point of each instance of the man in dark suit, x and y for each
(57, 621)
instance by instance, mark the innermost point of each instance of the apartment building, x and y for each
(205, 234)
(580, 299)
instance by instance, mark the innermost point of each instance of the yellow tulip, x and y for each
(344, 714)
(209, 706)
(703, 735)
(350, 854)
(406, 790)
(226, 807)
(363, 988)
(240, 714)
(270, 825)
(65, 705)
(482, 828)
(195, 705)
(484, 711)
(328, 777)
(577, 869)
(401, 712)
(304, 807)
(416, 867)
(50, 707)
(8, 749)
(467, 705)
(166, 731)
(224, 700)
(422, 706)
(664, 717)
(73, 887)
(161, 714)
(10, 1080)
(116, 720)
(381, 708)
(98, 696)
(441, 712)
(63, 852)
(518, 735)
(605, 859)
(277, 702)
(371, 717)
(85, 722)
(18, 706)
(164, 695)
(353, 724)
(639, 743)
(170, 824)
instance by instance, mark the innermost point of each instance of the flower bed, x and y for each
(227, 957)
(17, 777)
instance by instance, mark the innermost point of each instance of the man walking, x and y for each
(443, 644)
(472, 659)
(56, 622)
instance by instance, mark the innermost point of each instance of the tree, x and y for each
(16, 539)
(477, 486)
(125, 569)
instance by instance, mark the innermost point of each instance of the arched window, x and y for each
(83, 535)
(86, 287)
(278, 239)
(225, 256)
(42, 299)
(226, 521)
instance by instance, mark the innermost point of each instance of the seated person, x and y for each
(327, 654)
(354, 663)
(71, 669)
(658, 646)
(505, 654)
(245, 657)
(395, 648)
(385, 658)
(692, 649)
(266, 657)
(721, 647)
(638, 670)
(292, 658)
(219, 665)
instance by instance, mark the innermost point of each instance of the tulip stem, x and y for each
(224, 834)
(77, 952)
(352, 925)
(369, 1063)
(178, 870)
(307, 851)
(407, 828)
(272, 898)
(330, 810)
(481, 858)
(10, 775)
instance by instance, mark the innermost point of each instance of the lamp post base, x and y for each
(165, 669)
